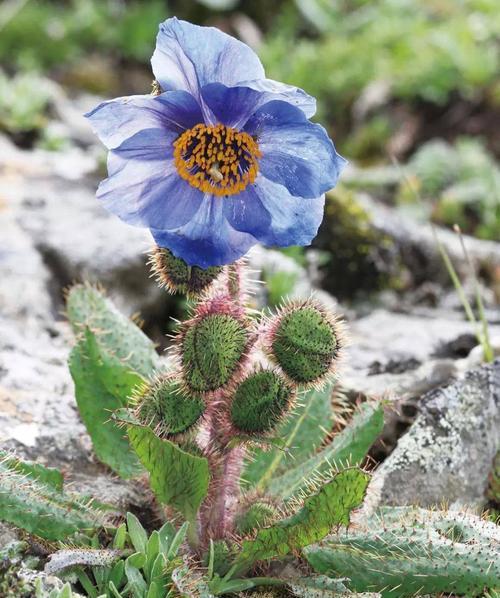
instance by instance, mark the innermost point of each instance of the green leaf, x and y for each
(304, 431)
(39, 507)
(414, 552)
(117, 573)
(178, 478)
(177, 541)
(351, 445)
(152, 550)
(136, 583)
(88, 308)
(137, 533)
(328, 508)
(166, 534)
(158, 568)
(93, 370)
(154, 590)
(120, 537)
(114, 591)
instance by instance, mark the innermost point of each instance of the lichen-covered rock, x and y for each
(448, 452)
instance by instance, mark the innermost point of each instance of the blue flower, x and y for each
(222, 159)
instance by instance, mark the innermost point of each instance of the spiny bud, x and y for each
(177, 276)
(260, 401)
(212, 348)
(167, 408)
(259, 514)
(305, 341)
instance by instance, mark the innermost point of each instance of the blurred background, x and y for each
(410, 92)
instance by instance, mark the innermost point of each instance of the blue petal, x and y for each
(295, 152)
(231, 106)
(117, 120)
(188, 57)
(288, 93)
(274, 217)
(145, 190)
(208, 239)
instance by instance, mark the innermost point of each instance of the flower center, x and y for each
(217, 160)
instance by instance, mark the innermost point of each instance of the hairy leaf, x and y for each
(41, 508)
(178, 478)
(414, 551)
(322, 511)
(96, 371)
(88, 308)
(351, 445)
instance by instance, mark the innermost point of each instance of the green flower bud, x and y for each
(177, 277)
(167, 408)
(259, 514)
(212, 348)
(305, 343)
(260, 401)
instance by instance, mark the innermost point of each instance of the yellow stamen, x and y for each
(217, 159)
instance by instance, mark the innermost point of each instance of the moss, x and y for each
(359, 258)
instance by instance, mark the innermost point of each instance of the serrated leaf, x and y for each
(39, 507)
(351, 445)
(304, 432)
(91, 369)
(88, 308)
(137, 533)
(328, 508)
(178, 478)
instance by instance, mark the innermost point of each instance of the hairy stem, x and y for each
(216, 518)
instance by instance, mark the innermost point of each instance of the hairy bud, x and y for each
(305, 341)
(260, 401)
(259, 514)
(176, 276)
(212, 347)
(167, 408)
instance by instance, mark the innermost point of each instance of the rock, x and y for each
(402, 355)
(447, 454)
(418, 248)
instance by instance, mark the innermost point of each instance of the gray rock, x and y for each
(447, 454)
